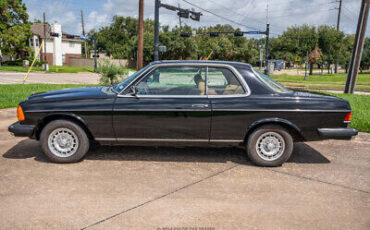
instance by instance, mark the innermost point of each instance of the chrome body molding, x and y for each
(236, 110)
(166, 140)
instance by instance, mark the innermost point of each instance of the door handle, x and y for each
(203, 106)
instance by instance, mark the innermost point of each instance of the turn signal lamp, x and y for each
(20, 113)
(348, 117)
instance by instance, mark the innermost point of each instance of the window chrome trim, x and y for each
(155, 66)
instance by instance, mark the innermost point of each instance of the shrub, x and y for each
(19, 62)
(110, 72)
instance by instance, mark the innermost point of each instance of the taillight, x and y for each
(20, 113)
(348, 118)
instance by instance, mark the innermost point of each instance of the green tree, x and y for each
(330, 43)
(15, 29)
(365, 60)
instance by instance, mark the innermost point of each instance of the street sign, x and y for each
(162, 49)
(298, 58)
(84, 37)
(253, 32)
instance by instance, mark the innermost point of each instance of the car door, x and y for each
(169, 107)
(228, 94)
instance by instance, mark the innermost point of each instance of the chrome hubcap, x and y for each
(270, 146)
(63, 142)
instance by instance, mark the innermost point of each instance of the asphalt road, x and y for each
(325, 185)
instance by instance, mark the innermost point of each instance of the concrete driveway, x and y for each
(325, 185)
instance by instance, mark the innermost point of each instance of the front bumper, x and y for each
(20, 130)
(337, 133)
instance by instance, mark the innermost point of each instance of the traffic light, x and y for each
(185, 35)
(195, 16)
(238, 34)
(53, 34)
(213, 34)
(70, 36)
(183, 13)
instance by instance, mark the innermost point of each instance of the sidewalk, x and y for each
(50, 78)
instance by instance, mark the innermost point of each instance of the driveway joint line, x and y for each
(320, 181)
(161, 196)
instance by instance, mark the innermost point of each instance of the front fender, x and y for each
(62, 114)
(48, 117)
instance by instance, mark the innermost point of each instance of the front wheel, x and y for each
(270, 145)
(64, 141)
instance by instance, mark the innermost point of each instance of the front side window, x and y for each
(174, 80)
(221, 81)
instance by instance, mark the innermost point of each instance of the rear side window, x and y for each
(222, 81)
(174, 80)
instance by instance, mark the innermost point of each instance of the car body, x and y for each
(185, 103)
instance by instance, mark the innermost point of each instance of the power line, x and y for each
(222, 17)
(233, 11)
(352, 14)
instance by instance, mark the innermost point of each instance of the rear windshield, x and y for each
(273, 84)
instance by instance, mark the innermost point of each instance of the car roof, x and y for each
(201, 61)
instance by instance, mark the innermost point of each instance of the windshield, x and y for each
(128, 80)
(273, 84)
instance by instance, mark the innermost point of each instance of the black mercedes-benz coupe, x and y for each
(184, 103)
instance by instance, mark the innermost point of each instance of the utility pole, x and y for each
(185, 13)
(305, 66)
(140, 34)
(44, 46)
(267, 39)
(338, 23)
(357, 48)
(83, 31)
(156, 29)
(95, 53)
(267, 48)
(261, 57)
(179, 19)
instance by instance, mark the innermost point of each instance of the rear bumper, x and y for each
(20, 130)
(337, 133)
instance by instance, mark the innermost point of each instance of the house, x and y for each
(60, 46)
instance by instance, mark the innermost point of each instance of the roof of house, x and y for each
(38, 29)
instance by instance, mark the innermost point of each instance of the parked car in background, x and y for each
(184, 103)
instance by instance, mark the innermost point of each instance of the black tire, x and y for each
(82, 140)
(284, 155)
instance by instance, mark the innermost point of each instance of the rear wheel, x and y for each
(270, 145)
(64, 141)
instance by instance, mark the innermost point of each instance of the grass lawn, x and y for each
(360, 105)
(12, 94)
(365, 88)
(18, 69)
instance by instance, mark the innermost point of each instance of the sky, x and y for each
(244, 14)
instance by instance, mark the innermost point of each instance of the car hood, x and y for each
(72, 93)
